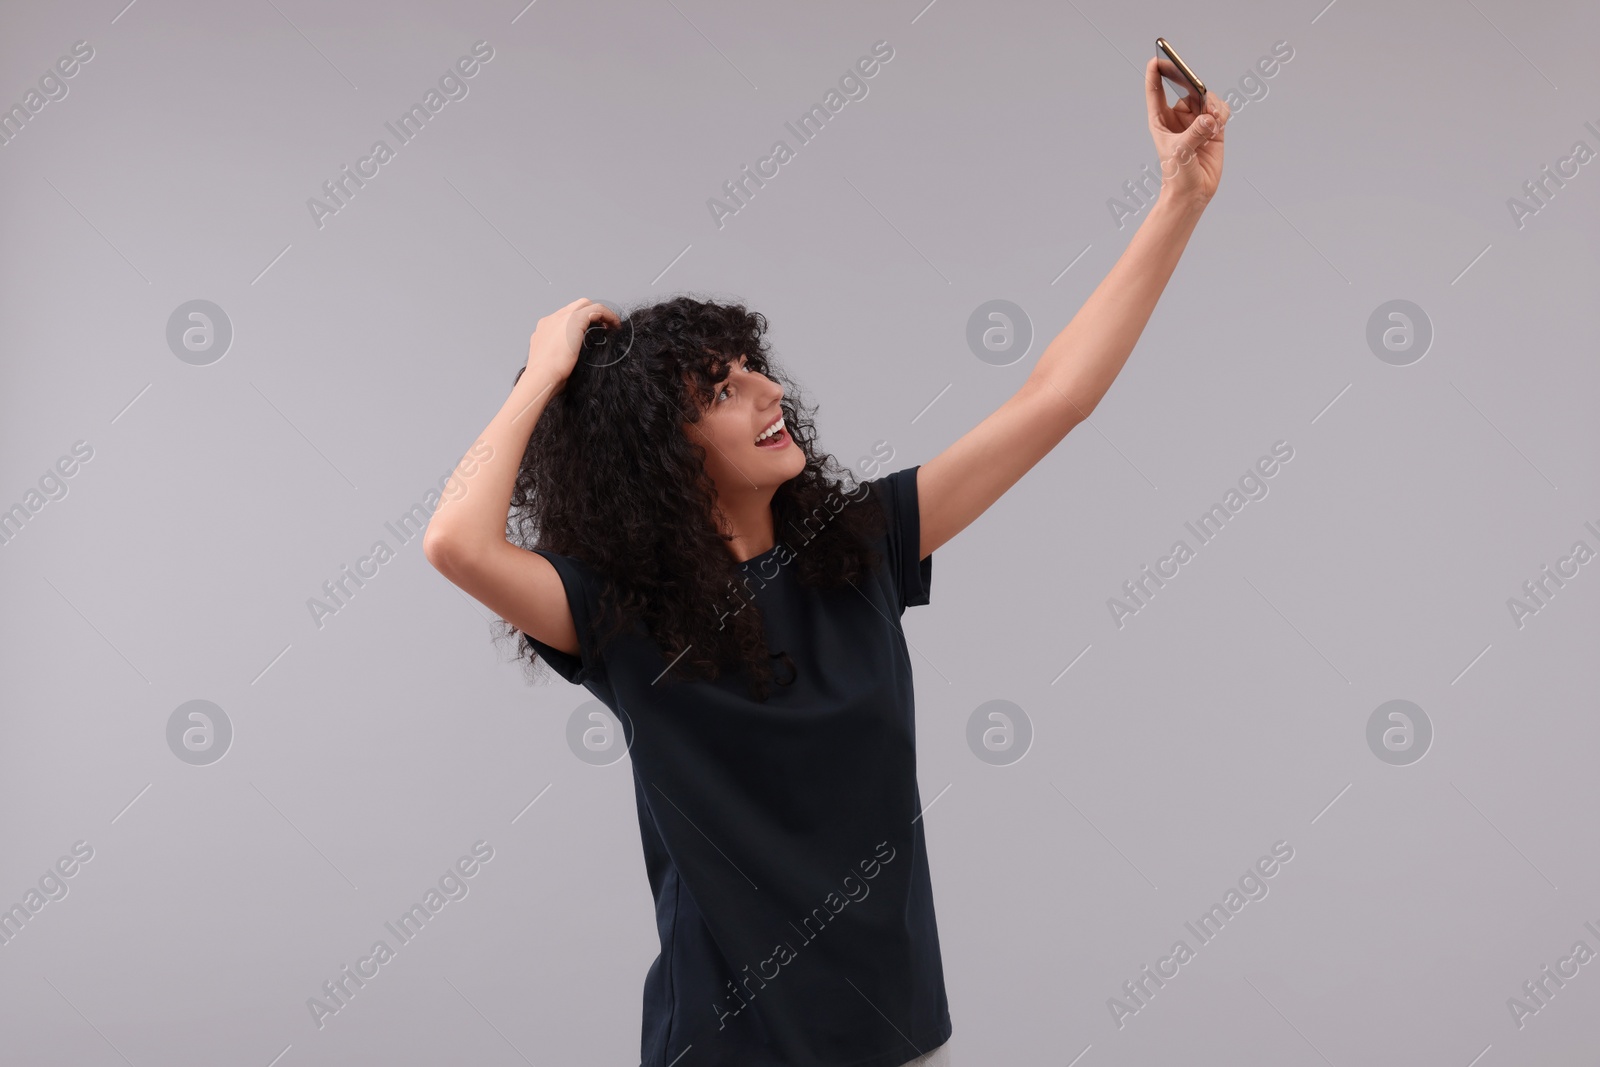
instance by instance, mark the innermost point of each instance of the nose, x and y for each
(767, 385)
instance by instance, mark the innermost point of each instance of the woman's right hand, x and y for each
(553, 350)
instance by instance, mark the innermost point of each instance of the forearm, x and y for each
(1079, 366)
(477, 498)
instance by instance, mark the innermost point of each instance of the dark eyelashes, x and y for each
(717, 389)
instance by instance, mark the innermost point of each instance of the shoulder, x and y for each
(896, 493)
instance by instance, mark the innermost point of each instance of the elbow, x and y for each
(453, 554)
(1080, 405)
(1068, 410)
(438, 549)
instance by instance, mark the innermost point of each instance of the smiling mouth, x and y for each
(775, 440)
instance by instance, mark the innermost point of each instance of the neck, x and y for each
(749, 519)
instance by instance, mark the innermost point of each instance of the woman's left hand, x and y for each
(1190, 153)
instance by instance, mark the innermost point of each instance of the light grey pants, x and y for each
(939, 1057)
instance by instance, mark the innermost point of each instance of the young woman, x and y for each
(693, 561)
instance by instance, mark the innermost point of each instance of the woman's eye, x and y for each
(720, 391)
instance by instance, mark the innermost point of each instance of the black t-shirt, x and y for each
(790, 880)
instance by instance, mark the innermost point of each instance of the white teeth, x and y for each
(770, 431)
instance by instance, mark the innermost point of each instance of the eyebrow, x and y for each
(738, 361)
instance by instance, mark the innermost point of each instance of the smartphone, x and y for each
(1176, 73)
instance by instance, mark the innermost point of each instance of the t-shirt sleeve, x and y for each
(582, 586)
(909, 576)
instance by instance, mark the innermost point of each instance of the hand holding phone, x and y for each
(1190, 152)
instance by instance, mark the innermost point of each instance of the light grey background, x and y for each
(370, 753)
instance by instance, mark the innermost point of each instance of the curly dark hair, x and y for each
(611, 478)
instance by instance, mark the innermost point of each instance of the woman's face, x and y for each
(744, 405)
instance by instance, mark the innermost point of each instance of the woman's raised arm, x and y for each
(466, 537)
(1078, 367)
